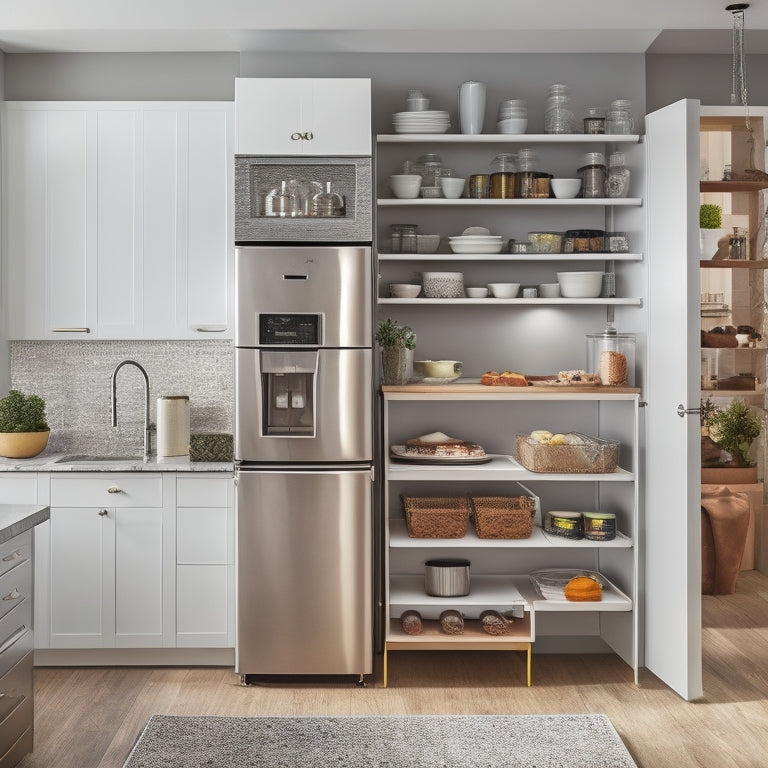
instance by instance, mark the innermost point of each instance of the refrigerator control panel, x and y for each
(289, 329)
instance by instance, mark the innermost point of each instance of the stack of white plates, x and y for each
(426, 121)
(476, 244)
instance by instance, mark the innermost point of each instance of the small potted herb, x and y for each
(730, 433)
(710, 229)
(24, 430)
(397, 344)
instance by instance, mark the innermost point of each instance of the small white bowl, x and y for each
(404, 290)
(512, 125)
(405, 186)
(427, 243)
(453, 187)
(565, 188)
(549, 290)
(476, 292)
(504, 290)
(580, 285)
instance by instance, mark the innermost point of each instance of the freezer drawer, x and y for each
(304, 570)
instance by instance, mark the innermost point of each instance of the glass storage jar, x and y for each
(612, 355)
(617, 182)
(558, 117)
(502, 182)
(404, 238)
(593, 175)
(594, 122)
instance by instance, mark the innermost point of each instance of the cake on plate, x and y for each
(440, 444)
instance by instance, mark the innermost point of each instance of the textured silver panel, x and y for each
(350, 176)
(74, 379)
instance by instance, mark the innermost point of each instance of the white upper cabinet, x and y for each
(119, 220)
(303, 116)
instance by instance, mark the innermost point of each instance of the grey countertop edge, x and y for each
(16, 519)
(51, 463)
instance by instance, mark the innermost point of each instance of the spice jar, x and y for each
(502, 182)
(737, 244)
(593, 175)
(617, 183)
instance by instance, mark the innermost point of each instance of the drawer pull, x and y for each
(11, 639)
(13, 556)
(114, 489)
(103, 513)
(14, 594)
(70, 330)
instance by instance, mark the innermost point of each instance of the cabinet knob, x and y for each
(14, 594)
(13, 556)
(114, 489)
(103, 513)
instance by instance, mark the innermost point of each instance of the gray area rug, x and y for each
(422, 741)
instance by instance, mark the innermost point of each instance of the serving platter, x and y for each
(397, 452)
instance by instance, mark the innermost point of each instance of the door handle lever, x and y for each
(683, 411)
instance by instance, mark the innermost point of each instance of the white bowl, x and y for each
(580, 285)
(475, 247)
(404, 290)
(565, 188)
(549, 290)
(427, 243)
(476, 292)
(405, 186)
(453, 187)
(504, 290)
(512, 125)
(443, 285)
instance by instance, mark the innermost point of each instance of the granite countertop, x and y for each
(18, 518)
(59, 462)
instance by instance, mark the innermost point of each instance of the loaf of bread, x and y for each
(582, 589)
(452, 622)
(504, 379)
(411, 623)
(613, 369)
(495, 624)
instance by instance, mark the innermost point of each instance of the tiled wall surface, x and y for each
(74, 378)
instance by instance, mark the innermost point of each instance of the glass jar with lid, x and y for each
(404, 238)
(503, 170)
(425, 166)
(619, 120)
(558, 117)
(593, 175)
(594, 122)
(617, 182)
(612, 355)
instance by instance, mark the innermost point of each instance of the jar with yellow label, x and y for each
(569, 525)
(599, 526)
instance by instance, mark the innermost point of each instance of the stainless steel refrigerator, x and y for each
(304, 452)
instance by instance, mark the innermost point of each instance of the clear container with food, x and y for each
(502, 181)
(612, 355)
(584, 241)
(616, 242)
(545, 242)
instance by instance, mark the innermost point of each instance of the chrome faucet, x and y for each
(147, 433)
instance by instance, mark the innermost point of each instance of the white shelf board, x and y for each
(613, 600)
(388, 202)
(510, 257)
(399, 539)
(474, 636)
(500, 467)
(538, 301)
(507, 138)
(407, 591)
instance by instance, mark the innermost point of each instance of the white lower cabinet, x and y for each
(131, 561)
(205, 562)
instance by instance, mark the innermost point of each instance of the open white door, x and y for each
(672, 531)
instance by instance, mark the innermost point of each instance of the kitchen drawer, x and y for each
(108, 490)
(15, 551)
(202, 491)
(16, 638)
(15, 587)
(23, 746)
(15, 703)
(201, 535)
(18, 488)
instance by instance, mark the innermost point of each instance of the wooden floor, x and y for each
(90, 717)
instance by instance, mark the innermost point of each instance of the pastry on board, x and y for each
(440, 444)
(503, 379)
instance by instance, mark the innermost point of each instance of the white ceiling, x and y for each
(664, 26)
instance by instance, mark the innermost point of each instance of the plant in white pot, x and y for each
(24, 430)
(397, 345)
(710, 229)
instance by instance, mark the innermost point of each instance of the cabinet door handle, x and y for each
(13, 556)
(302, 136)
(14, 594)
(70, 330)
(103, 513)
(9, 641)
(211, 328)
(114, 489)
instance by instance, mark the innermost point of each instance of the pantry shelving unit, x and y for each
(493, 416)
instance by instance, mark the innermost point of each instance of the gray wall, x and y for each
(707, 77)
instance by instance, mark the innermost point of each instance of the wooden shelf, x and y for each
(734, 264)
(732, 186)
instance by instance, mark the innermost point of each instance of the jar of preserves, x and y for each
(502, 181)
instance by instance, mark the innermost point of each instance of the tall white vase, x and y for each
(471, 106)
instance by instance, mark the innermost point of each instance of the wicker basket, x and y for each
(592, 456)
(436, 517)
(503, 517)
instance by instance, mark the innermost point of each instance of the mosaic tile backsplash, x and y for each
(74, 378)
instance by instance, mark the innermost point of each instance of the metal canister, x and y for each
(447, 577)
(569, 525)
(173, 425)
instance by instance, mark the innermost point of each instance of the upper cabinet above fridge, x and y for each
(303, 116)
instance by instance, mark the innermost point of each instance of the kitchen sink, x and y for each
(86, 459)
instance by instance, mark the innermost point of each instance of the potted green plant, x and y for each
(397, 344)
(710, 229)
(734, 429)
(24, 430)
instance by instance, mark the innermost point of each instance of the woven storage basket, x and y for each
(210, 446)
(436, 517)
(503, 517)
(592, 456)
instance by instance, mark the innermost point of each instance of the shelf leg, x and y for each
(528, 664)
(385, 664)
